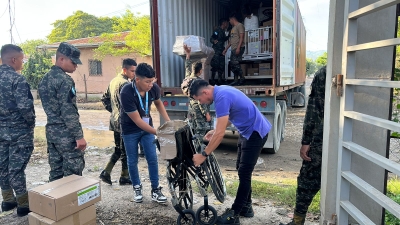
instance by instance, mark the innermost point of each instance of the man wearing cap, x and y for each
(65, 142)
(17, 121)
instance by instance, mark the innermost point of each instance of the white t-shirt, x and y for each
(252, 23)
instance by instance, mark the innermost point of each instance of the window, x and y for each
(95, 68)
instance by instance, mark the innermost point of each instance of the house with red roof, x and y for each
(98, 73)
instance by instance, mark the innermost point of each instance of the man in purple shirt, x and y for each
(233, 106)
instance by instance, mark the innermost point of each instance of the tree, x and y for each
(311, 67)
(39, 63)
(322, 60)
(79, 25)
(138, 40)
(29, 46)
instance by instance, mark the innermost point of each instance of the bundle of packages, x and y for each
(196, 43)
(166, 135)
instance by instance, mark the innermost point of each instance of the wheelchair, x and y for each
(181, 171)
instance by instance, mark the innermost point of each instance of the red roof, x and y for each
(98, 39)
(119, 38)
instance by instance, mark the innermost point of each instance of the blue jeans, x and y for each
(131, 142)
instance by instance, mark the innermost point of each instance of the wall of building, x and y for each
(111, 66)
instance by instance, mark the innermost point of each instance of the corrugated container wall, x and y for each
(300, 49)
(183, 17)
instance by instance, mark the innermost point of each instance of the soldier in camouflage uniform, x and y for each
(113, 94)
(218, 39)
(17, 121)
(236, 42)
(199, 114)
(65, 141)
(309, 179)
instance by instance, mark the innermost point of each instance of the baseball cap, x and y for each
(70, 51)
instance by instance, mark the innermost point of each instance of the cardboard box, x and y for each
(86, 216)
(265, 71)
(265, 66)
(166, 138)
(268, 23)
(64, 197)
(252, 71)
(196, 43)
(244, 68)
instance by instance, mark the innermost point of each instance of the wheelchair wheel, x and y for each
(188, 218)
(206, 217)
(179, 185)
(215, 177)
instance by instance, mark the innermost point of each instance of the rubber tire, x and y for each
(213, 218)
(187, 212)
(283, 105)
(216, 181)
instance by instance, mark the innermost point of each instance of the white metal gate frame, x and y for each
(346, 178)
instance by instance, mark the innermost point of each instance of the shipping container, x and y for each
(278, 47)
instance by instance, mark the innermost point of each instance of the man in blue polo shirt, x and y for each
(137, 126)
(233, 106)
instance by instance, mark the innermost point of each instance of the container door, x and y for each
(286, 22)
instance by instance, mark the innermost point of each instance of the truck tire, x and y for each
(283, 105)
(277, 130)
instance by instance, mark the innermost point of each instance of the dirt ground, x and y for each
(117, 206)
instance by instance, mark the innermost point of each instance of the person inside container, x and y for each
(218, 39)
(236, 43)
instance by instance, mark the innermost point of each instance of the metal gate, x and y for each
(347, 179)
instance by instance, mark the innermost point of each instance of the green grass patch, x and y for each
(393, 192)
(280, 194)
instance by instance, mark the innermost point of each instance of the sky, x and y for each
(32, 19)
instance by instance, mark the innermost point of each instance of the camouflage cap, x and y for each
(70, 51)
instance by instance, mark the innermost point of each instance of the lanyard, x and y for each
(146, 110)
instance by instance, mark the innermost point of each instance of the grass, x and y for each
(393, 192)
(284, 195)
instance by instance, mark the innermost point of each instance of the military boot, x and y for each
(298, 219)
(105, 177)
(9, 201)
(23, 205)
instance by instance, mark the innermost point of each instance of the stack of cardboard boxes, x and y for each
(252, 70)
(265, 69)
(68, 201)
(261, 69)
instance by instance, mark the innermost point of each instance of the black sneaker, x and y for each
(157, 195)
(228, 217)
(125, 181)
(23, 211)
(7, 206)
(105, 177)
(247, 211)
